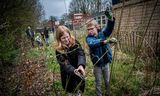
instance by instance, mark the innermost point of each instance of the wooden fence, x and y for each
(140, 20)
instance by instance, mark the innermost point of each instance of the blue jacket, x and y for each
(97, 48)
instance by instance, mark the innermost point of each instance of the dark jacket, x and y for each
(97, 48)
(68, 61)
(30, 33)
(46, 34)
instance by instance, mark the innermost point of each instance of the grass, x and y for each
(122, 81)
(118, 85)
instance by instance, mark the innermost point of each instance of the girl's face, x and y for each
(65, 39)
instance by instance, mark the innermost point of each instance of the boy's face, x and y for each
(92, 30)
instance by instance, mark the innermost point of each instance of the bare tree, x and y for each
(87, 6)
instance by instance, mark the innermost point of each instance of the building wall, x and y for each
(131, 28)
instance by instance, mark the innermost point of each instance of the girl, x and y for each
(71, 59)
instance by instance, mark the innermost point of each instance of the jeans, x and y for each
(98, 72)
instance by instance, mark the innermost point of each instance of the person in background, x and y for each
(99, 41)
(71, 59)
(38, 40)
(53, 30)
(46, 34)
(42, 35)
(30, 35)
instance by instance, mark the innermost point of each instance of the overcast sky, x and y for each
(55, 7)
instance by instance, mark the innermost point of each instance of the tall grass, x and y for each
(122, 82)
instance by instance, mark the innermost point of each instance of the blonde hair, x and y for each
(59, 33)
(91, 22)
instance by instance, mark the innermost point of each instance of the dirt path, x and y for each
(28, 77)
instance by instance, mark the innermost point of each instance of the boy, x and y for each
(100, 51)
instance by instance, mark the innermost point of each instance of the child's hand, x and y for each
(78, 74)
(108, 11)
(113, 40)
(108, 14)
(81, 70)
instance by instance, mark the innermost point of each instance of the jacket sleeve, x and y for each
(27, 32)
(64, 64)
(81, 56)
(109, 28)
(93, 42)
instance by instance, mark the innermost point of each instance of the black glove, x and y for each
(108, 11)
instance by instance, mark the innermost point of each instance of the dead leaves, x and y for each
(34, 78)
